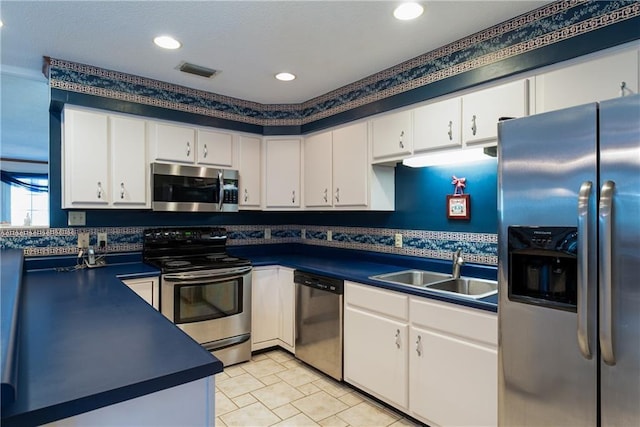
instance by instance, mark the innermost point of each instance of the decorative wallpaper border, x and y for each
(479, 248)
(542, 27)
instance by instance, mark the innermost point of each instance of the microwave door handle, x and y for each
(606, 303)
(584, 197)
(220, 190)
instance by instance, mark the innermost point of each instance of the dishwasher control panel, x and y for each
(329, 284)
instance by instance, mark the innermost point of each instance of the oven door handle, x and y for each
(206, 277)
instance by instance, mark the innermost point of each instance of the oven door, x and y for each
(213, 307)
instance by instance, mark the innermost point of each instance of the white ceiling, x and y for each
(327, 44)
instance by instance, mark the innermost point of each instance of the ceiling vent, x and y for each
(197, 70)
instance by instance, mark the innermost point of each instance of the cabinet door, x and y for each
(595, 80)
(283, 173)
(452, 382)
(392, 136)
(481, 110)
(286, 303)
(250, 168)
(129, 168)
(375, 355)
(86, 154)
(350, 166)
(174, 143)
(437, 125)
(215, 148)
(265, 324)
(317, 170)
(147, 289)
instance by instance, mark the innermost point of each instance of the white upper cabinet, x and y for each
(318, 164)
(282, 174)
(104, 160)
(392, 136)
(214, 148)
(437, 125)
(250, 167)
(129, 170)
(481, 110)
(351, 167)
(598, 79)
(173, 143)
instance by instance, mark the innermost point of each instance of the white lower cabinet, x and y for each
(272, 308)
(147, 288)
(453, 374)
(376, 332)
(435, 361)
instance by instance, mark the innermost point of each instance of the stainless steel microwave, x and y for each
(181, 188)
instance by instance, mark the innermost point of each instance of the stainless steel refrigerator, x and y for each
(569, 267)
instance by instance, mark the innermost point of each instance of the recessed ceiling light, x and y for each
(285, 77)
(407, 11)
(167, 42)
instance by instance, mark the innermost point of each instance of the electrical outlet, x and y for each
(267, 233)
(398, 240)
(77, 218)
(303, 233)
(329, 235)
(83, 240)
(102, 240)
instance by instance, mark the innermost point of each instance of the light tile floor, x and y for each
(275, 389)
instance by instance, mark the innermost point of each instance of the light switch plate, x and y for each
(398, 240)
(77, 218)
(267, 233)
(303, 234)
(329, 235)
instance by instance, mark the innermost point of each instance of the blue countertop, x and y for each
(87, 341)
(357, 266)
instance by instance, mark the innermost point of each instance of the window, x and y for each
(25, 199)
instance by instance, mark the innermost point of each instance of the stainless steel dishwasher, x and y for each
(319, 322)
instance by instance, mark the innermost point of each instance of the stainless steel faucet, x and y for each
(457, 263)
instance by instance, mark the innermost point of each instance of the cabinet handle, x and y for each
(326, 196)
(246, 195)
(450, 133)
(474, 128)
(293, 196)
(188, 148)
(338, 194)
(398, 338)
(401, 137)
(99, 190)
(623, 88)
(205, 151)
(122, 190)
(418, 345)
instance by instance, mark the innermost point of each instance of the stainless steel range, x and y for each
(203, 290)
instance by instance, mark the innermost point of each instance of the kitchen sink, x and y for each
(418, 278)
(472, 288)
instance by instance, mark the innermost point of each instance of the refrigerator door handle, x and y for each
(606, 303)
(584, 197)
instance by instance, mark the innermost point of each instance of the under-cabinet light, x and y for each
(448, 157)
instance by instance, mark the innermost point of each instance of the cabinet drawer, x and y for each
(381, 301)
(464, 322)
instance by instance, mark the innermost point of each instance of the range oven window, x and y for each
(207, 301)
(185, 189)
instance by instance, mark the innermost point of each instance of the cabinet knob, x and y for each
(188, 148)
(99, 190)
(474, 128)
(246, 195)
(401, 142)
(122, 190)
(205, 151)
(418, 345)
(293, 196)
(398, 338)
(450, 133)
(325, 196)
(623, 88)
(338, 194)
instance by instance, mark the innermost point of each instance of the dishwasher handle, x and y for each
(323, 283)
